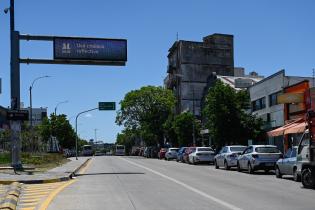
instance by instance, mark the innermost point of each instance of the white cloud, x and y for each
(88, 115)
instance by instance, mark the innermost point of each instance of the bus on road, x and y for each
(120, 150)
(87, 150)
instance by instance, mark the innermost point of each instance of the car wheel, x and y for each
(238, 167)
(194, 162)
(308, 179)
(278, 173)
(215, 164)
(226, 166)
(250, 168)
(296, 176)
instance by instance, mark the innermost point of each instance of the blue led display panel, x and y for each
(90, 49)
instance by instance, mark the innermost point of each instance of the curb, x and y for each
(11, 197)
(73, 174)
(45, 181)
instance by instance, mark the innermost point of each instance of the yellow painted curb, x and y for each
(49, 199)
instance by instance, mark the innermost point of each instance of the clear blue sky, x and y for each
(269, 35)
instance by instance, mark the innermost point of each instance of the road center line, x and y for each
(219, 201)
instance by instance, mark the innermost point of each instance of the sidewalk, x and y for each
(61, 173)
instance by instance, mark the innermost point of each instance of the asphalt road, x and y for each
(146, 184)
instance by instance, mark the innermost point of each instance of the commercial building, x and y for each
(190, 63)
(265, 104)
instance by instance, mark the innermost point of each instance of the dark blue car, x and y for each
(180, 154)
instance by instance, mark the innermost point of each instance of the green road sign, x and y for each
(106, 106)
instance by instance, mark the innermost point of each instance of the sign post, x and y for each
(67, 50)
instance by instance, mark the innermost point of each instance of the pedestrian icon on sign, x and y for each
(66, 48)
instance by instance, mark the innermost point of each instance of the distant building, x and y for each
(38, 114)
(239, 82)
(190, 63)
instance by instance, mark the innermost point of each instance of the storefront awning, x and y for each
(297, 126)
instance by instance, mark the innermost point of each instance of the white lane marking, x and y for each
(221, 202)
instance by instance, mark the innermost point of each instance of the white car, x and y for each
(201, 154)
(171, 153)
(258, 157)
(227, 157)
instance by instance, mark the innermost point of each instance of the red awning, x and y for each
(297, 128)
(293, 127)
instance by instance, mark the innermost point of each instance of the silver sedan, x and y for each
(227, 157)
(288, 165)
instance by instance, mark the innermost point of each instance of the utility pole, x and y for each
(193, 134)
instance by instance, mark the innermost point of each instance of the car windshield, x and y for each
(237, 149)
(205, 150)
(174, 150)
(267, 150)
(120, 147)
(87, 147)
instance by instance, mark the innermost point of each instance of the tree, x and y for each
(226, 116)
(146, 110)
(183, 127)
(127, 138)
(59, 127)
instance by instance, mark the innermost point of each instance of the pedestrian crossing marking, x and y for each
(32, 195)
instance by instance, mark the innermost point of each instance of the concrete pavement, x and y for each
(138, 183)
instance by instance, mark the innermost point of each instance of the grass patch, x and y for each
(41, 161)
(5, 158)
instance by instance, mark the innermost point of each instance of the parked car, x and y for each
(147, 152)
(171, 153)
(161, 153)
(187, 152)
(180, 154)
(258, 157)
(288, 165)
(227, 156)
(201, 154)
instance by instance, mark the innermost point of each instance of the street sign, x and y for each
(21, 115)
(95, 49)
(106, 106)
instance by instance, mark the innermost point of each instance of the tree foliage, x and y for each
(226, 116)
(183, 127)
(146, 110)
(59, 127)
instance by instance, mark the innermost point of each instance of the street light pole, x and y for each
(31, 107)
(95, 134)
(76, 131)
(62, 102)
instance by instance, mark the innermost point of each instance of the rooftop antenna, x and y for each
(177, 38)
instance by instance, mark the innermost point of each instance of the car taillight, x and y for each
(255, 156)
